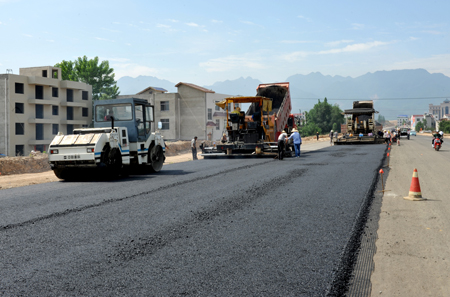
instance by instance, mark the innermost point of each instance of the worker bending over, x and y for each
(281, 144)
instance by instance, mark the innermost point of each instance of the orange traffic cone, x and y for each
(414, 191)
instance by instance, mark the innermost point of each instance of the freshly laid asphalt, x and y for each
(238, 227)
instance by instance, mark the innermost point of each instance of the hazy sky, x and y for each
(207, 41)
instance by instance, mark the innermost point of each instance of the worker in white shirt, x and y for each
(281, 144)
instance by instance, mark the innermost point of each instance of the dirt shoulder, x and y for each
(26, 179)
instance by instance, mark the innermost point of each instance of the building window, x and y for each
(20, 128)
(69, 129)
(84, 95)
(85, 112)
(39, 92)
(19, 107)
(217, 108)
(44, 73)
(54, 92)
(209, 113)
(55, 73)
(19, 88)
(164, 105)
(236, 105)
(446, 110)
(39, 131)
(55, 129)
(69, 95)
(224, 124)
(39, 148)
(229, 106)
(217, 124)
(39, 111)
(55, 110)
(165, 124)
(20, 150)
(69, 113)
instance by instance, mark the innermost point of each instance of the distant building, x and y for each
(430, 121)
(439, 111)
(414, 120)
(402, 120)
(36, 105)
(189, 112)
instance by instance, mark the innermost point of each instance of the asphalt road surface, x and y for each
(238, 227)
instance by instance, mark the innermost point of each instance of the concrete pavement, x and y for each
(413, 252)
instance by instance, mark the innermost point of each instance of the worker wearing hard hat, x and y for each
(281, 144)
(237, 110)
(224, 138)
(297, 141)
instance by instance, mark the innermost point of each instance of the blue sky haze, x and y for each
(203, 42)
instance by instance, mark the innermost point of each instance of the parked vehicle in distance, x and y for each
(413, 133)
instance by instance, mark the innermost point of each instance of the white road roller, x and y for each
(120, 142)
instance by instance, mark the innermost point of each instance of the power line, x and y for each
(364, 99)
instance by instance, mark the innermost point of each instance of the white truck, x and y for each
(121, 141)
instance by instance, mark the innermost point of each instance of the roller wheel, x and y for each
(156, 158)
(115, 162)
(63, 173)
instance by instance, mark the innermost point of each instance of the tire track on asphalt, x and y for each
(114, 200)
(147, 246)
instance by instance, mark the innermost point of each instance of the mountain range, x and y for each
(394, 92)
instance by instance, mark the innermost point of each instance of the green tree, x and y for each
(323, 117)
(444, 126)
(419, 126)
(67, 70)
(99, 75)
(335, 127)
(310, 129)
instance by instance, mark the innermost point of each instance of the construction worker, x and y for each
(331, 137)
(281, 144)
(237, 110)
(224, 137)
(297, 141)
(194, 148)
(386, 136)
(202, 146)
